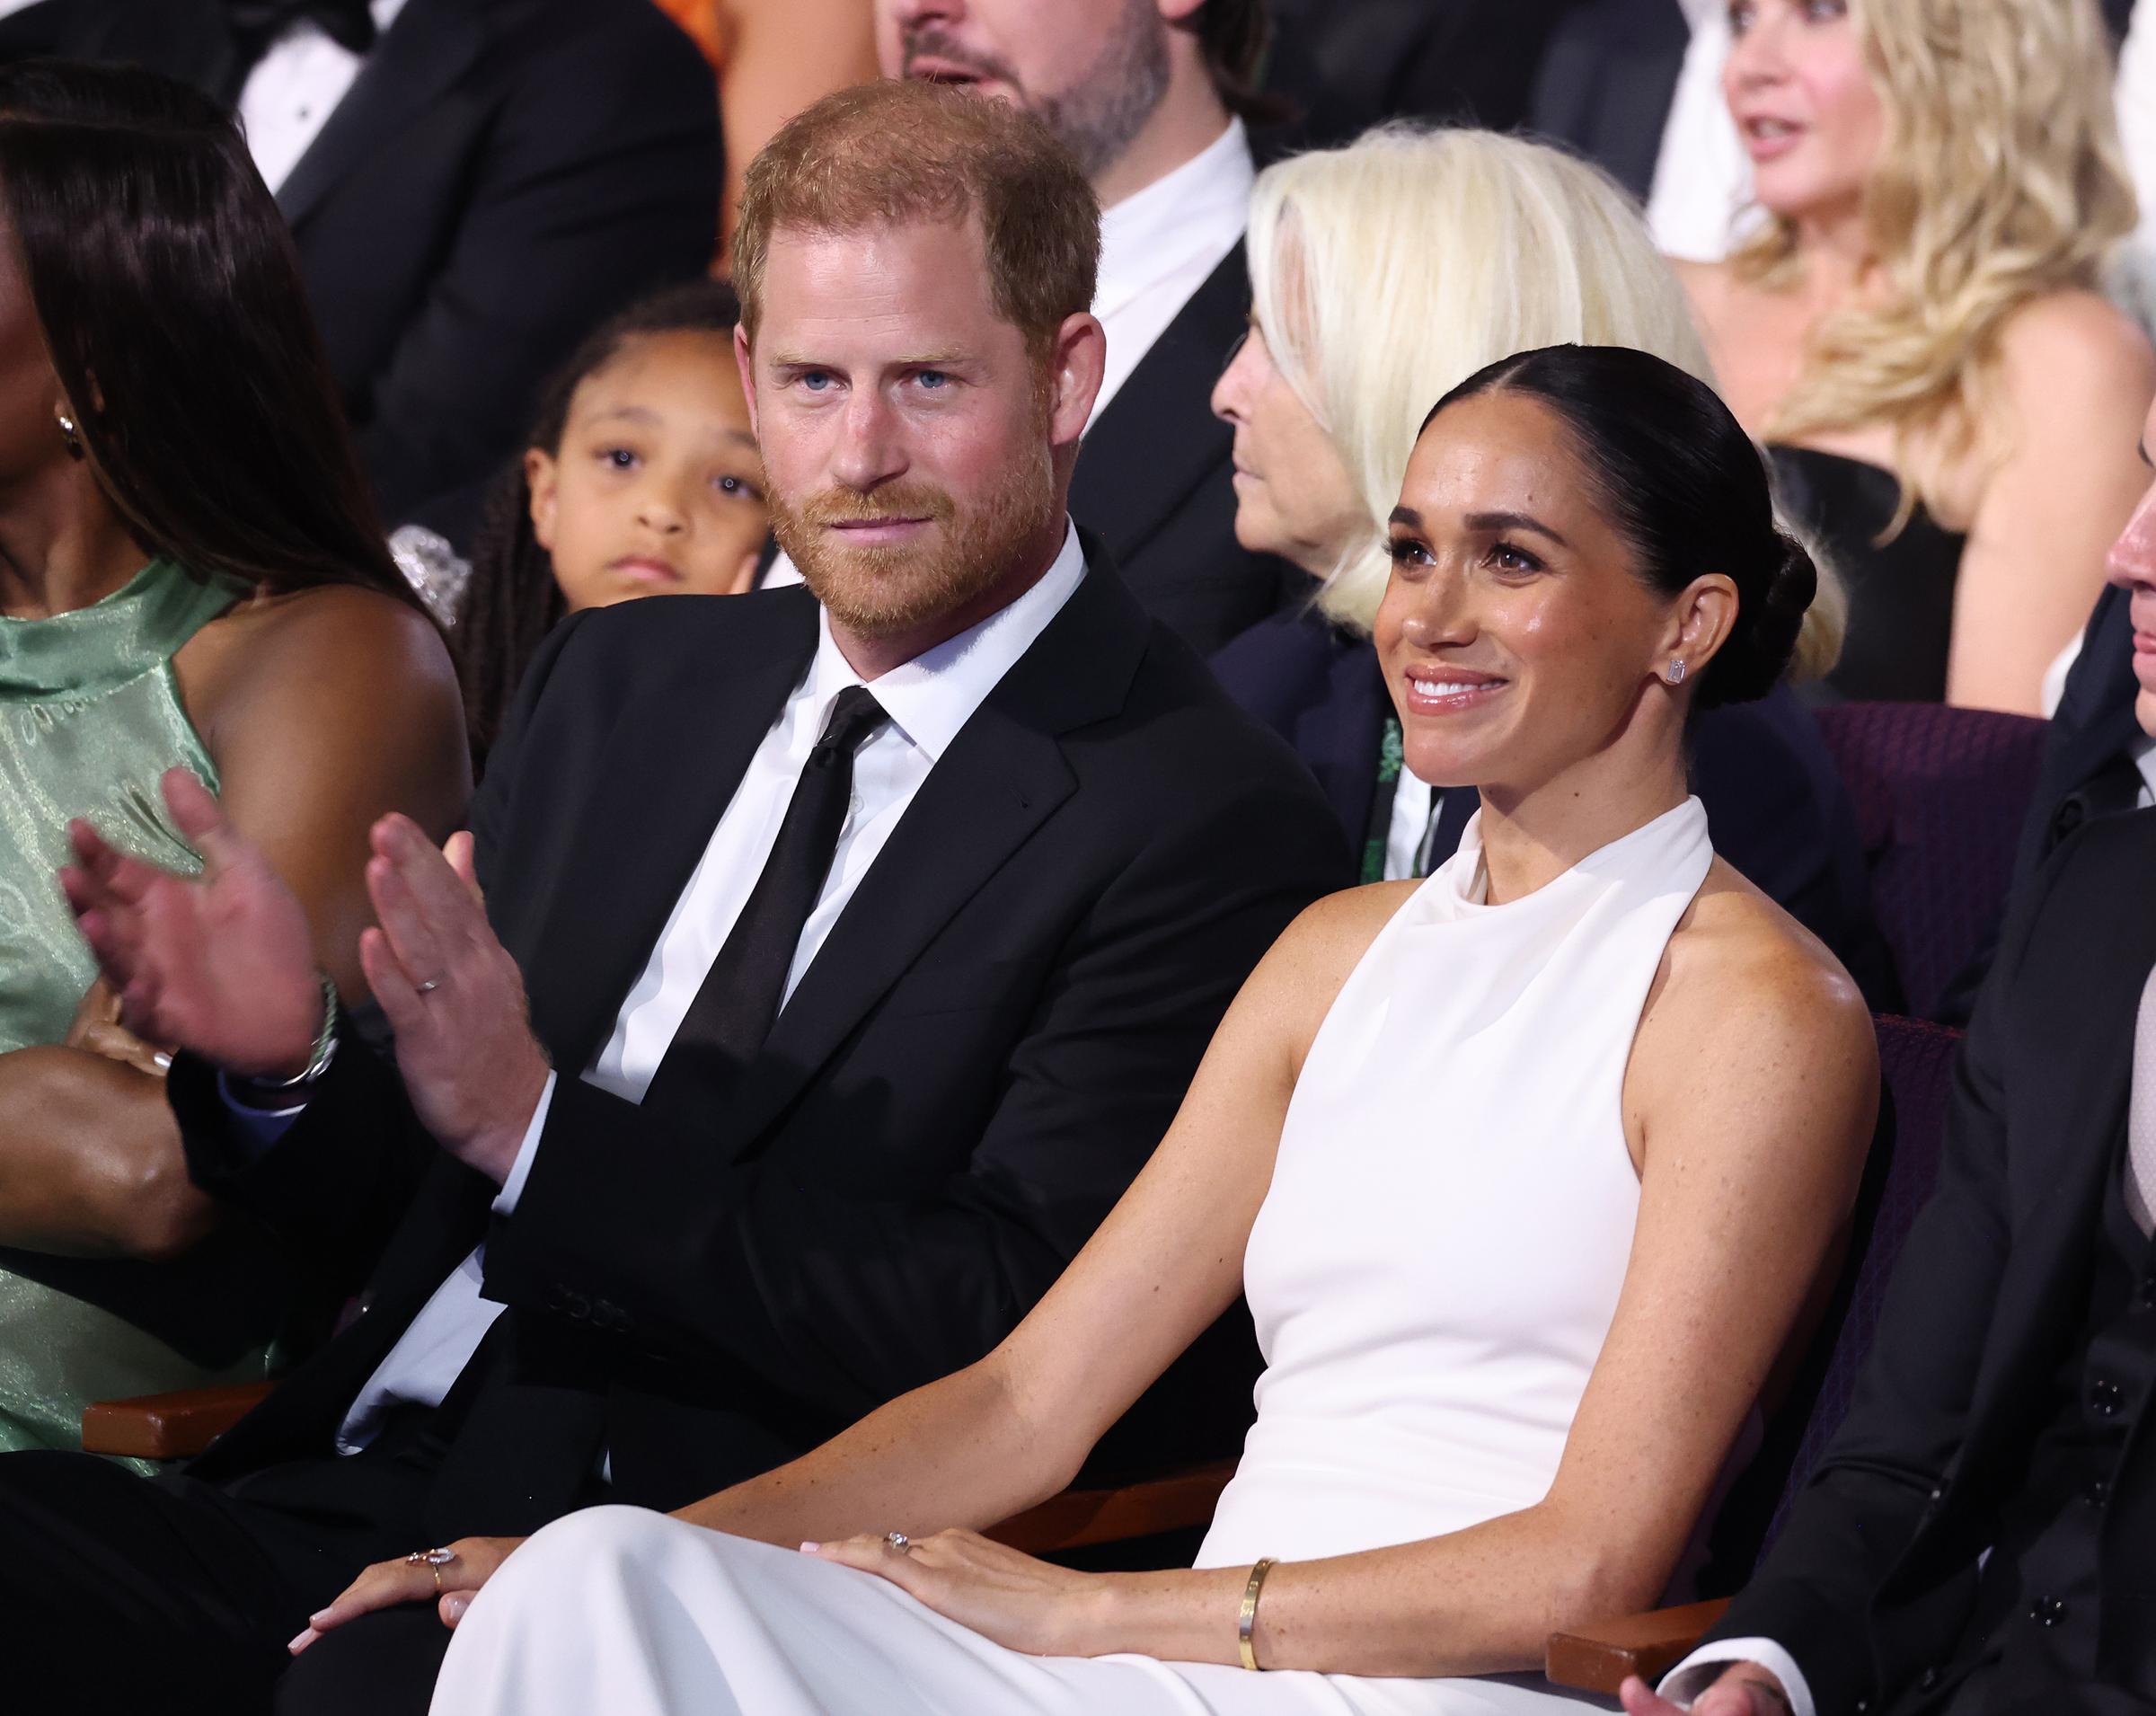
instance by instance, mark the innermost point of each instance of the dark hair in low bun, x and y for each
(1683, 485)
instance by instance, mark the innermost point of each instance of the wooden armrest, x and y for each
(1597, 1659)
(1079, 1517)
(168, 1427)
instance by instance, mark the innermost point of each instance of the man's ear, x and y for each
(744, 361)
(541, 477)
(1080, 360)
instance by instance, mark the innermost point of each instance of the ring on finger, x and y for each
(899, 1541)
(434, 1560)
(428, 987)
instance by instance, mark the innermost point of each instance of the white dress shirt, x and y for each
(294, 87)
(929, 700)
(1414, 822)
(1702, 181)
(1160, 244)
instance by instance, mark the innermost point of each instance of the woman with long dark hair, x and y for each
(195, 597)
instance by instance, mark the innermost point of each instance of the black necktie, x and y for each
(733, 1012)
(256, 24)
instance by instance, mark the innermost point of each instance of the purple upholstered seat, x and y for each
(1941, 793)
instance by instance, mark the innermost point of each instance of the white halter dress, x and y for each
(1433, 1273)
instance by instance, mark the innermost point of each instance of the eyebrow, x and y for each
(1485, 521)
(634, 413)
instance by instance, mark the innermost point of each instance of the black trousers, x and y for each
(128, 1595)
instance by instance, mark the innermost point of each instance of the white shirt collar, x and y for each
(1697, 11)
(385, 13)
(931, 697)
(1154, 232)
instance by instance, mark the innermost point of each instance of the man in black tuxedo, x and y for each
(869, 948)
(1148, 96)
(472, 185)
(1981, 1538)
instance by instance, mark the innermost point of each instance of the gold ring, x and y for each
(434, 1560)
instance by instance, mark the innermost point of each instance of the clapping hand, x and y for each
(222, 964)
(454, 996)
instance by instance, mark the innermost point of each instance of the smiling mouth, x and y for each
(1451, 692)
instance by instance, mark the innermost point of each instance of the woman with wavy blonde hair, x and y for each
(1915, 326)
(1382, 274)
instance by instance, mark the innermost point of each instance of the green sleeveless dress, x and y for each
(90, 718)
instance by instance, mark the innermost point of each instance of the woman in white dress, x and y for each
(1527, 1171)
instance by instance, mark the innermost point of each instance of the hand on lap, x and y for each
(388, 1584)
(1019, 1601)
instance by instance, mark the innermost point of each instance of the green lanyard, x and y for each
(1380, 831)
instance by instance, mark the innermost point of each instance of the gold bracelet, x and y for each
(1247, 1622)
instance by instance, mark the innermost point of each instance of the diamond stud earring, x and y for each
(72, 435)
(1675, 672)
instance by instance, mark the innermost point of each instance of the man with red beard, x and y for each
(1151, 98)
(840, 963)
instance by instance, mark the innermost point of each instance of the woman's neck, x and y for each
(1835, 249)
(61, 547)
(1531, 837)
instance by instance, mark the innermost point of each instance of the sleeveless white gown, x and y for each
(1432, 1272)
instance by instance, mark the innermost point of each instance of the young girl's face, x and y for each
(656, 488)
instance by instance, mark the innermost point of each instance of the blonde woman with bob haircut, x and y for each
(1490, 245)
(1915, 326)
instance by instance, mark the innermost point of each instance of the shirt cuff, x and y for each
(1704, 1667)
(520, 1170)
(259, 1129)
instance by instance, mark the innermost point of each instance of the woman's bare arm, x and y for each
(1013, 1429)
(2078, 381)
(1750, 1102)
(322, 711)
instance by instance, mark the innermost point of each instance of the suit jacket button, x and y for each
(555, 1298)
(2106, 1397)
(2047, 1611)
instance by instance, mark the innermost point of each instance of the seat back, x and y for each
(1916, 1063)
(1940, 794)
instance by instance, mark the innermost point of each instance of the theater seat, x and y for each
(1940, 794)
(1916, 1066)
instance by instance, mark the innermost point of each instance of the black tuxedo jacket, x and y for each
(1608, 74)
(2087, 772)
(503, 174)
(1875, 1576)
(1775, 805)
(1154, 474)
(983, 1054)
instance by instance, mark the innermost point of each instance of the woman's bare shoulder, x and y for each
(324, 659)
(1742, 969)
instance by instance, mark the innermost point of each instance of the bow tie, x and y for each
(257, 23)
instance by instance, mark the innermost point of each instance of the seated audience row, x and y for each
(868, 941)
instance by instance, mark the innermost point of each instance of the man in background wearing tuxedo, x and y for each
(1980, 1539)
(472, 185)
(842, 958)
(1148, 94)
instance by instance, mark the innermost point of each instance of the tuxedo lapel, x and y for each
(1157, 440)
(676, 756)
(1001, 779)
(423, 53)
